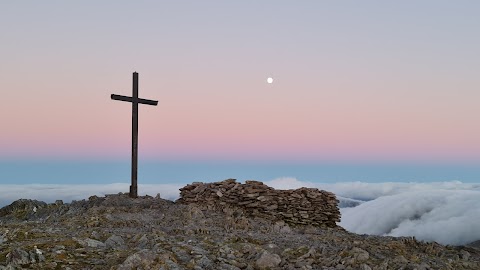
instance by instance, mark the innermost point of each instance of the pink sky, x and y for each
(351, 82)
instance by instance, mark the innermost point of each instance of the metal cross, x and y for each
(135, 101)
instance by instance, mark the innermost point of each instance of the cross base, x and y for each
(133, 191)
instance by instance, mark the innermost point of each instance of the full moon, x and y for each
(269, 80)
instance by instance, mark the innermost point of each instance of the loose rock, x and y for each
(118, 232)
(268, 261)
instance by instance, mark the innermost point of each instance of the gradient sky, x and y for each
(353, 80)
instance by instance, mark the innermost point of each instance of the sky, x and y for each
(354, 81)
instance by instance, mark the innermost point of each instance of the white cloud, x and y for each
(444, 216)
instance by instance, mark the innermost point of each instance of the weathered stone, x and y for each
(139, 260)
(360, 255)
(464, 255)
(18, 256)
(88, 242)
(365, 267)
(143, 242)
(268, 261)
(22, 208)
(115, 242)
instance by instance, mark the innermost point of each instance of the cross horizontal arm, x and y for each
(138, 100)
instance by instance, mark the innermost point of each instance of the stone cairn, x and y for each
(307, 206)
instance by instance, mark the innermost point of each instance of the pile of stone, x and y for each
(306, 206)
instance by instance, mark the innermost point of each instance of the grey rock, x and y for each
(115, 242)
(285, 230)
(95, 235)
(400, 260)
(365, 267)
(272, 248)
(138, 260)
(36, 255)
(171, 265)
(18, 256)
(143, 242)
(88, 242)
(204, 262)
(23, 208)
(360, 255)
(195, 250)
(423, 266)
(8, 267)
(268, 260)
(311, 252)
(181, 254)
(224, 266)
(465, 255)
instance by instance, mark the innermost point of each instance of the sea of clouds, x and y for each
(445, 212)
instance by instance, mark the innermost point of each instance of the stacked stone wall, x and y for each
(307, 206)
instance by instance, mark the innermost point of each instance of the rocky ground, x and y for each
(117, 232)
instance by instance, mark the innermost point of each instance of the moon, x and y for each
(269, 80)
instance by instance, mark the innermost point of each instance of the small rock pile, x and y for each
(300, 206)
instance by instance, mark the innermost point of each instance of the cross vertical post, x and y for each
(135, 100)
(133, 186)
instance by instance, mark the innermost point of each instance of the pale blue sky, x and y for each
(355, 81)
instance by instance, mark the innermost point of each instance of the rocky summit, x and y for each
(224, 225)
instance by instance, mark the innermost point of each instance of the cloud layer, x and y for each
(444, 216)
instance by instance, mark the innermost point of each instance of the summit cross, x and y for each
(135, 101)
